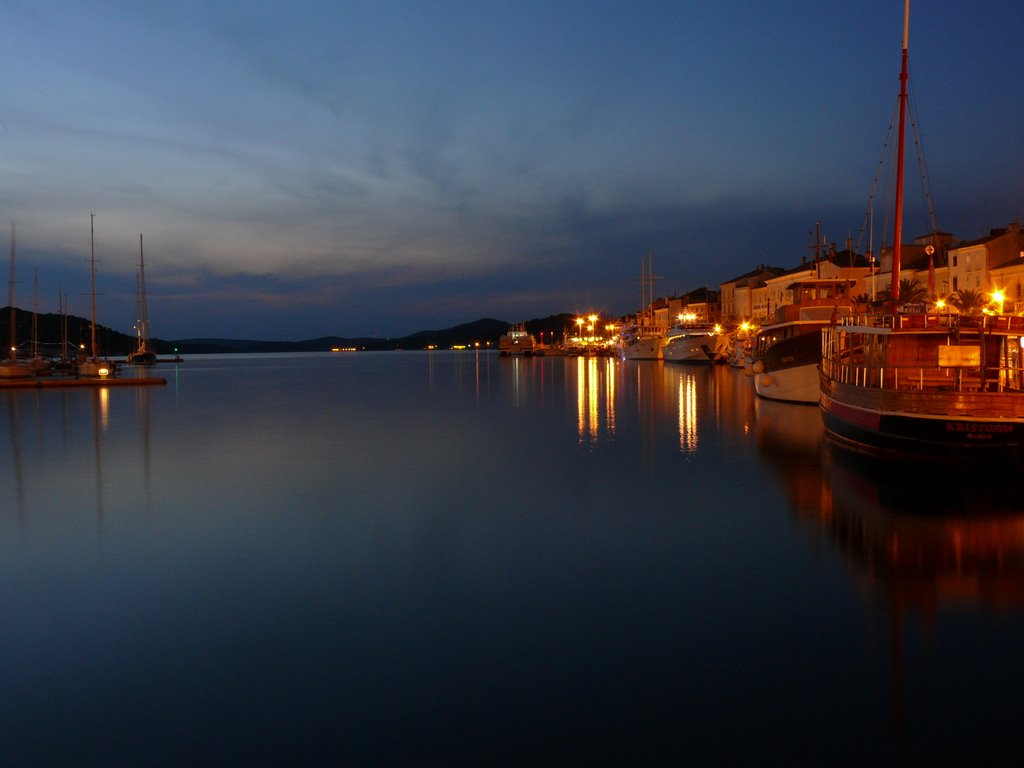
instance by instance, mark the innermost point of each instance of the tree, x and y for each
(911, 292)
(968, 301)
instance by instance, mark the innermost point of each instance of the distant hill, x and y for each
(110, 342)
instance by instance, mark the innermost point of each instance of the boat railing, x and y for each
(852, 368)
(938, 321)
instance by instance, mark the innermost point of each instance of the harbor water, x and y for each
(451, 558)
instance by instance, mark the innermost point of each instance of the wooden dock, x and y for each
(60, 382)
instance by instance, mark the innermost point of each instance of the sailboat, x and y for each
(643, 340)
(920, 381)
(12, 367)
(92, 366)
(143, 353)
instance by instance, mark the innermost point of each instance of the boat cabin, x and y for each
(815, 298)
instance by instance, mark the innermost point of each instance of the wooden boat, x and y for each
(937, 383)
(912, 381)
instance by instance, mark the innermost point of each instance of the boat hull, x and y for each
(644, 349)
(789, 369)
(17, 370)
(916, 422)
(795, 384)
(698, 348)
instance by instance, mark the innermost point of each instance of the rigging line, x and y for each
(921, 166)
(882, 162)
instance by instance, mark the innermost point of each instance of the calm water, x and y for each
(455, 559)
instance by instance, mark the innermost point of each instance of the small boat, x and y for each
(691, 341)
(516, 341)
(143, 353)
(921, 382)
(787, 351)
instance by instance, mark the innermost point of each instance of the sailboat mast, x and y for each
(897, 231)
(35, 314)
(92, 283)
(14, 338)
(143, 306)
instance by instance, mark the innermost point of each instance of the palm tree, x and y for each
(968, 301)
(911, 292)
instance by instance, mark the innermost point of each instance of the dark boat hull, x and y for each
(952, 435)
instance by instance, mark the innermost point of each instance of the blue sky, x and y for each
(378, 168)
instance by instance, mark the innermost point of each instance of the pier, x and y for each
(63, 383)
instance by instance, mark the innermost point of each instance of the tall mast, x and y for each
(35, 314)
(92, 271)
(643, 290)
(14, 340)
(143, 308)
(897, 231)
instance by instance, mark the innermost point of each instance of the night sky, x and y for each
(377, 168)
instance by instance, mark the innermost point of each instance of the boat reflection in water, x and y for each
(923, 538)
(927, 550)
(926, 539)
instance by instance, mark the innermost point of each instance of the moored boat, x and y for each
(937, 384)
(642, 342)
(93, 366)
(924, 383)
(12, 367)
(695, 342)
(787, 351)
(516, 341)
(143, 354)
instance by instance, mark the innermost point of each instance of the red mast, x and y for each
(897, 230)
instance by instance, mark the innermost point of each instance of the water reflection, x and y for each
(688, 413)
(928, 539)
(595, 398)
(16, 460)
(920, 537)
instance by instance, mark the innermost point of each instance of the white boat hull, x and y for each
(644, 349)
(697, 348)
(798, 384)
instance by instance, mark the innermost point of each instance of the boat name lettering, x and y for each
(955, 426)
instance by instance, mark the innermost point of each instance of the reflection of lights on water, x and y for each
(609, 406)
(104, 406)
(581, 397)
(515, 380)
(592, 392)
(688, 414)
(588, 397)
